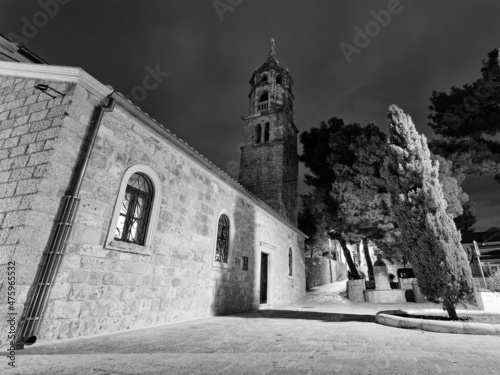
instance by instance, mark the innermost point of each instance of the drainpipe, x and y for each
(34, 311)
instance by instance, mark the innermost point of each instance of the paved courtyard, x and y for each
(322, 334)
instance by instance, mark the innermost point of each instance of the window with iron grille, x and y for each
(135, 210)
(290, 262)
(221, 251)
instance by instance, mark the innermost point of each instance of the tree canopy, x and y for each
(350, 200)
(467, 121)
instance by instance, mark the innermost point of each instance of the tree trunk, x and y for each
(369, 264)
(450, 309)
(347, 255)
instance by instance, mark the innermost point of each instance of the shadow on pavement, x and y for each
(308, 315)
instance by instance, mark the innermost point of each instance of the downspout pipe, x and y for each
(34, 311)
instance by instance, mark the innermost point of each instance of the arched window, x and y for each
(264, 97)
(135, 210)
(279, 79)
(222, 247)
(258, 133)
(263, 78)
(290, 262)
(266, 132)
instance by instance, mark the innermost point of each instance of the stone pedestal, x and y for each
(381, 275)
(383, 292)
(385, 296)
(419, 297)
(355, 289)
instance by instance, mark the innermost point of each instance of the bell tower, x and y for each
(269, 161)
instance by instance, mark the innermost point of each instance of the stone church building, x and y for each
(109, 222)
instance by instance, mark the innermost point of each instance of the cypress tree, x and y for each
(430, 239)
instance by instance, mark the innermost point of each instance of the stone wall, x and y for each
(102, 288)
(39, 140)
(320, 271)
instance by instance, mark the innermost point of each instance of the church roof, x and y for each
(10, 50)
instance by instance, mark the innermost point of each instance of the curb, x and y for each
(389, 319)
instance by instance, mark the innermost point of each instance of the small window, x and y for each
(266, 132)
(258, 132)
(135, 210)
(263, 78)
(264, 97)
(222, 247)
(290, 262)
(279, 79)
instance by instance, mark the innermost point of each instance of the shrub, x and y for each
(495, 281)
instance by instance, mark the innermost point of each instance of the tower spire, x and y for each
(272, 52)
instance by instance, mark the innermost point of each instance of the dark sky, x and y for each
(429, 45)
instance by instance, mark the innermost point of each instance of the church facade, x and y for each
(109, 222)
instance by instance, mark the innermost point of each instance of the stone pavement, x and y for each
(322, 334)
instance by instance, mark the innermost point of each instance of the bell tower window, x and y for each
(263, 78)
(279, 79)
(266, 132)
(263, 101)
(258, 132)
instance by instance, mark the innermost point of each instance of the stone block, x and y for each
(48, 134)
(11, 142)
(21, 120)
(101, 309)
(65, 310)
(20, 130)
(22, 173)
(60, 291)
(15, 218)
(87, 308)
(7, 189)
(27, 138)
(4, 134)
(116, 309)
(37, 107)
(355, 290)
(39, 158)
(20, 161)
(50, 329)
(69, 328)
(10, 204)
(35, 147)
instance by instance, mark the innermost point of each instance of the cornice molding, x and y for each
(56, 73)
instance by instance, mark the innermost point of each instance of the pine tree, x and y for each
(467, 121)
(430, 239)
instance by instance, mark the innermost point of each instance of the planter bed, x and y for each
(476, 317)
(479, 322)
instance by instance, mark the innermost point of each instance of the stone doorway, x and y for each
(264, 265)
